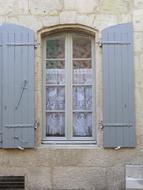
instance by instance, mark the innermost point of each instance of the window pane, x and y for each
(81, 46)
(82, 98)
(55, 98)
(82, 76)
(55, 47)
(55, 64)
(55, 124)
(82, 124)
(55, 76)
(81, 64)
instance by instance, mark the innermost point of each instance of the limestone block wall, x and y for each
(87, 167)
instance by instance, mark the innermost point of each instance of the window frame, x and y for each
(69, 58)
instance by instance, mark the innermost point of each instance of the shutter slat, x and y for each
(118, 86)
(18, 87)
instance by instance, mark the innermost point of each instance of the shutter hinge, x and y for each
(101, 43)
(36, 124)
(35, 44)
(101, 125)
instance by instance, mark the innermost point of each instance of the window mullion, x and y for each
(68, 65)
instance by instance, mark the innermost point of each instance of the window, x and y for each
(69, 87)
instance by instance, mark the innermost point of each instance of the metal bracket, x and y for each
(101, 124)
(99, 43)
(20, 148)
(36, 124)
(118, 148)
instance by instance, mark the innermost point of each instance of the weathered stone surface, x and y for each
(104, 20)
(81, 5)
(115, 7)
(30, 21)
(13, 7)
(115, 178)
(43, 7)
(50, 21)
(85, 19)
(79, 178)
(137, 20)
(67, 17)
(138, 37)
(138, 4)
(39, 178)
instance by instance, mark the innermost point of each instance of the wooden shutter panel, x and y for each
(1, 66)
(18, 86)
(118, 86)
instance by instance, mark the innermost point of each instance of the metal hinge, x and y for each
(36, 124)
(102, 124)
(101, 43)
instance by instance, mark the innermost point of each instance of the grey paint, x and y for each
(118, 86)
(1, 67)
(18, 99)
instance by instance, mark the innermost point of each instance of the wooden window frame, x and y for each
(68, 95)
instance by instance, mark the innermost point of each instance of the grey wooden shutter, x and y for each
(118, 86)
(18, 86)
(1, 66)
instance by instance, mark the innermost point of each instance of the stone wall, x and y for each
(89, 167)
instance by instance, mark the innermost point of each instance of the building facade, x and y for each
(71, 92)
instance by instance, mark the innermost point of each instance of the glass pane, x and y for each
(82, 98)
(81, 46)
(82, 124)
(82, 76)
(55, 47)
(55, 64)
(81, 64)
(55, 124)
(55, 99)
(55, 76)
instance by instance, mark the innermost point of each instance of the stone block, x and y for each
(39, 178)
(138, 38)
(85, 19)
(115, 7)
(102, 21)
(115, 177)
(43, 7)
(67, 17)
(81, 6)
(138, 20)
(49, 21)
(79, 178)
(13, 7)
(138, 4)
(30, 21)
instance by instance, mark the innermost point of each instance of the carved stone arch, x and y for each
(66, 27)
